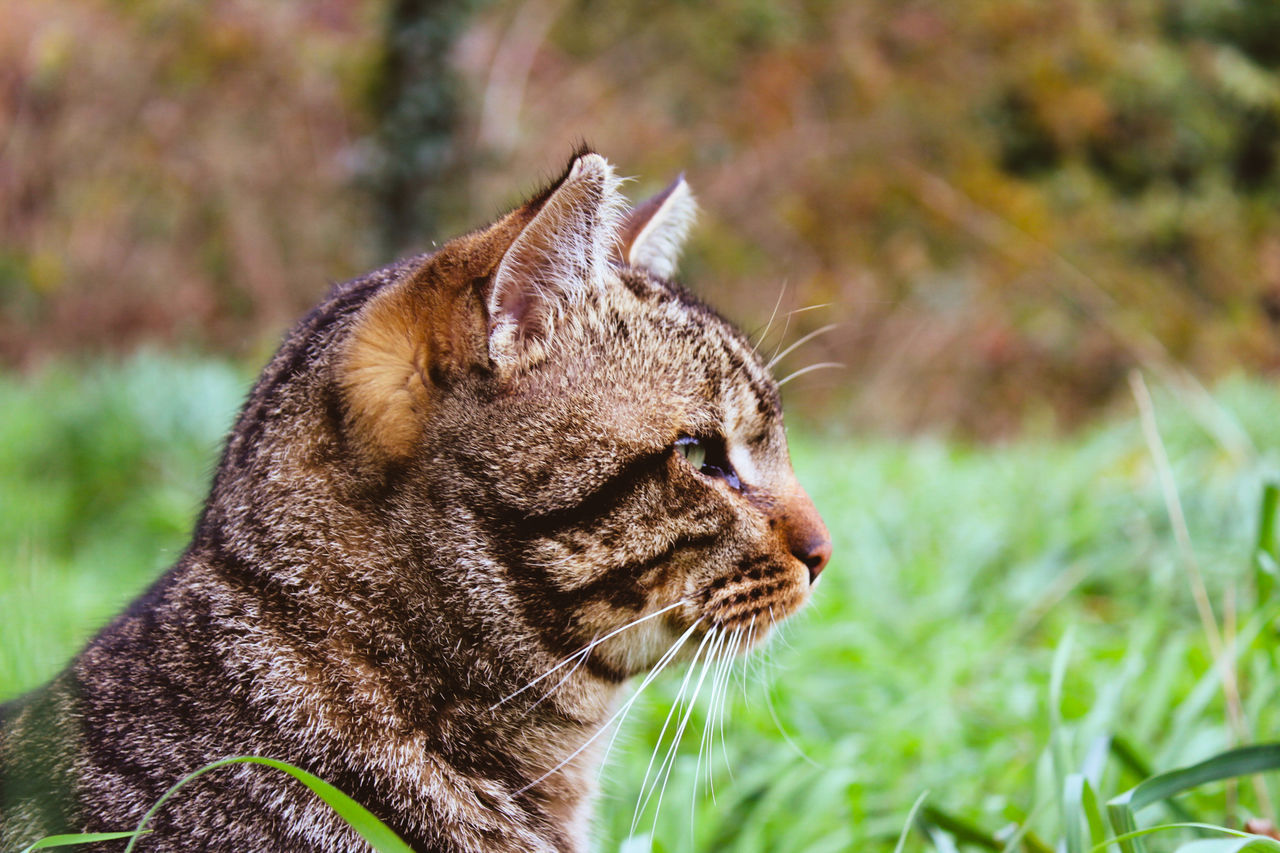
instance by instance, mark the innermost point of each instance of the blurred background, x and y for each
(1006, 204)
(1046, 567)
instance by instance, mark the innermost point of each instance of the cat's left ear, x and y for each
(655, 231)
(561, 255)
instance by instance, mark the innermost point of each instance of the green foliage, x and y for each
(102, 472)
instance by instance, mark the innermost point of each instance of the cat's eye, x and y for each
(709, 457)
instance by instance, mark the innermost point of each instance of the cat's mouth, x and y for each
(751, 601)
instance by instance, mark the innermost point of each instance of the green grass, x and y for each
(924, 663)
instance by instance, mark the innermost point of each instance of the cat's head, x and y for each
(612, 445)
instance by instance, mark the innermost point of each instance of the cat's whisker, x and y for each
(586, 653)
(586, 650)
(730, 662)
(802, 371)
(782, 336)
(648, 679)
(767, 326)
(724, 697)
(766, 684)
(712, 663)
(670, 761)
(751, 636)
(773, 712)
(658, 667)
(642, 800)
(801, 342)
(813, 307)
(780, 632)
(708, 730)
(715, 663)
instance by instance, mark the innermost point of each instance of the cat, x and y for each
(457, 472)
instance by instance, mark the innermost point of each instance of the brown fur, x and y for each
(455, 472)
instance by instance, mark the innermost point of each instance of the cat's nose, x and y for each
(807, 535)
(814, 554)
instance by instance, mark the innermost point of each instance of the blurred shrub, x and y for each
(1008, 203)
(175, 170)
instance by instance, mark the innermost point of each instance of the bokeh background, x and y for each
(1047, 234)
(1006, 204)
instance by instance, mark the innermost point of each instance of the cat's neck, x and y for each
(420, 695)
(382, 645)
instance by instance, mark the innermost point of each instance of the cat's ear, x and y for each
(556, 259)
(490, 298)
(655, 231)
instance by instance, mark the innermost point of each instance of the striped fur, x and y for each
(455, 472)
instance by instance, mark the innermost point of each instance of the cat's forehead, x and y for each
(712, 371)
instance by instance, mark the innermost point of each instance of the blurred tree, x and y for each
(415, 101)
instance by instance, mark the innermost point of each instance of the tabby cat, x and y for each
(457, 472)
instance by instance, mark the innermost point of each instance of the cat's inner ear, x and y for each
(655, 231)
(561, 255)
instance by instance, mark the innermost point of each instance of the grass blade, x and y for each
(1266, 560)
(68, 840)
(1234, 834)
(911, 819)
(377, 834)
(1244, 761)
(1229, 845)
(961, 829)
(1081, 814)
(1125, 752)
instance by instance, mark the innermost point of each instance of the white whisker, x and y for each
(782, 336)
(666, 658)
(768, 698)
(642, 800)
(585, 650)
(718, 685)
(751, 637)
(795, 311)
(799, 343)
(585, 653)
(767, 684)
(675, 745)
(802, 371)
(658, 667)
(724, 697)
(767, 326)
(712, 663)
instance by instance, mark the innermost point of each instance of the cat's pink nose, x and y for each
(807, 536)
